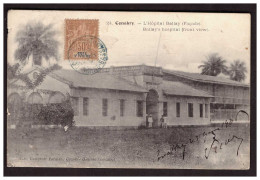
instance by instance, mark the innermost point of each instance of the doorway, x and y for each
(152, 107)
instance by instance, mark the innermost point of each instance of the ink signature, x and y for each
(215, 142)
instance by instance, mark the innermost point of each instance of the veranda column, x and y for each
(80, 107)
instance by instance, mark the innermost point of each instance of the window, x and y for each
(35, 75)
(75, 105)
(190, 109)
(122, 107)
(206, 110)
(201, 110)
(104, 107)
(178, 109)
(85, 106)
(139, 109)
(165, 111)
(35, 98)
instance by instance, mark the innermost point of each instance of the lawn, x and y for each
(176, 147)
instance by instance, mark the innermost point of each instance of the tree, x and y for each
(214, 65)
(36, 40)
(14, 73)
(237, 71)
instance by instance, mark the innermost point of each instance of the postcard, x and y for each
(144, 90)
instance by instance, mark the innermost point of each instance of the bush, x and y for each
(57, 114)
(39, 114)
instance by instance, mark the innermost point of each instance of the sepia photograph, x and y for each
(121, 89)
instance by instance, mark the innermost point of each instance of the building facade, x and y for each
(124, 96)
(229, 96)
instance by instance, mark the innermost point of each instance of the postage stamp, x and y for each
(86, 53)
(83, 49)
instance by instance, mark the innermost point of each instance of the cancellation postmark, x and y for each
(86, 53)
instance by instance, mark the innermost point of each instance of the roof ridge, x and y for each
(182, 90)
(217, 79)
(128, 81)
(59, 78)
(183, 84)
(91, 82)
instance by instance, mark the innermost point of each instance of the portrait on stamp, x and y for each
(96, 89)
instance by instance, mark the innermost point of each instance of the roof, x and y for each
(205, 78)
(98, 80)
(180, 89)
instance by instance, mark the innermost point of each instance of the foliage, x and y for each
(37, 40)
(214, 65)
(237, 71)
(57, 114)
(30, 83)
(142, 126)
(39, 114)
(12, 71)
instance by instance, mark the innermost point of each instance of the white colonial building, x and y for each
(123, 96)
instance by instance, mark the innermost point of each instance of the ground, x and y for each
(217, 147)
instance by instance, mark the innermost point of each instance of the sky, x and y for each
(226, 34)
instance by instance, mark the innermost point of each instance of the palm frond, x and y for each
(213, 65)
(237, 71)
(38, 40)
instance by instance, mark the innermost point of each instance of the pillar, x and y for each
(80, 106)
(160, 111)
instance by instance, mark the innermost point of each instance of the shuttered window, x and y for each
(201, 110)
(104, 107)
(122, 107)
(206, 110)
(178, 109)
(85, 106)
(190, 109)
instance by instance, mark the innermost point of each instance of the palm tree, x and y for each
(36, 40)
(237, 71)
(214, 65)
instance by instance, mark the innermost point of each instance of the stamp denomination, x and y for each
(84, 66)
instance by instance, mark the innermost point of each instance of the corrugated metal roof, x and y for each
(98, 80)
(205, 78)
(180, 89)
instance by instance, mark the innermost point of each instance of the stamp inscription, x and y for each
(88, 66)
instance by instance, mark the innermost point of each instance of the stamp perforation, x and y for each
(69, 23)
